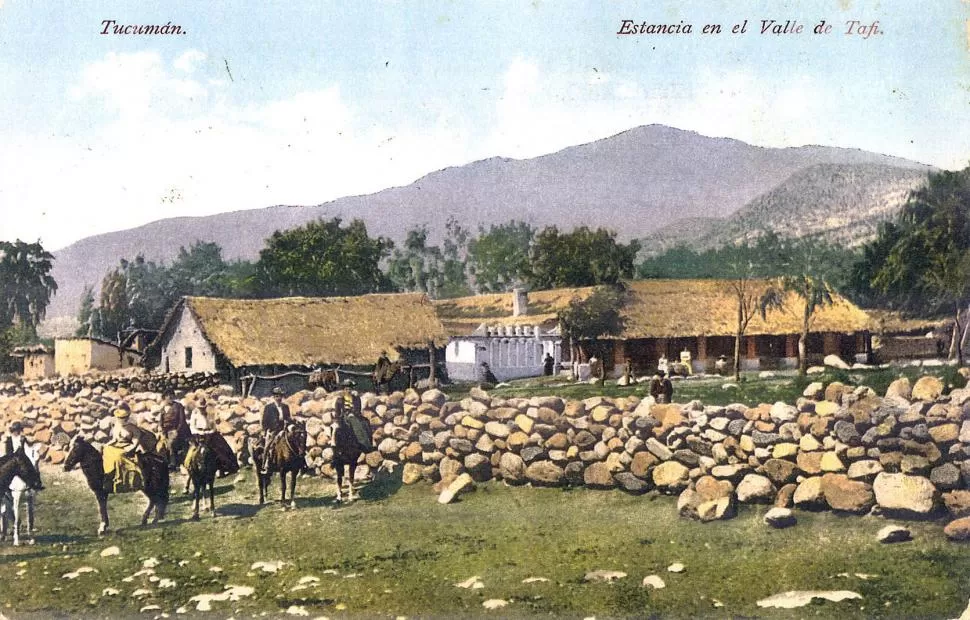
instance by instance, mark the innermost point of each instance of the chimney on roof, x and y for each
(520, 302)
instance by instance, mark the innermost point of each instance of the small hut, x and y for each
(38, 361)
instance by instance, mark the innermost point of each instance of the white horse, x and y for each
(11, 501)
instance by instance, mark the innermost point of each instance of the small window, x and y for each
(188, 357)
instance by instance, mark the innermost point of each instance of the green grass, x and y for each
(785, 386)
(406, 552)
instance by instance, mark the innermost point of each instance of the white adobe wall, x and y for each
(186, 333)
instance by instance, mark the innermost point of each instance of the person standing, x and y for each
(548, 365)
(661, 388)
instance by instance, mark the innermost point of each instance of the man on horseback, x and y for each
(276, 415)
(175, 427)
(14, 439)
(383, 373)
(202, 431)
(348, 408)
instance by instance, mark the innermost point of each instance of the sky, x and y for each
(259, 104)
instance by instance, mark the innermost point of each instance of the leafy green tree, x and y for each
(135, 294)
(498, 260)
(417, 266)
(322, 259)
(921, 262)
(26, 285)
(582, 257)
(594, 317)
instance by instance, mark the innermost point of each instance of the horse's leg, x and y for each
(196, 497)
(30, 496)
(282, 487)
(16, 497)
(350, 480)
(4, 517)
(293, 488)
(103, 512)
(151, 505)
(340, 482)
(212, 495)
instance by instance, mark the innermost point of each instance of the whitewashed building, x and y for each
(511, 352)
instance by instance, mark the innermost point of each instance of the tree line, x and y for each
(329, 258)
(919, 263)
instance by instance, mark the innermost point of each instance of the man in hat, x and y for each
(383, 373)
(14, 439)
(175, 427)
(348, 408)
(276, 415)
(661, 388)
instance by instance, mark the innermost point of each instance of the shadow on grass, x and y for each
(383, 486)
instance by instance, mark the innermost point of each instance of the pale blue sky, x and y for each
(101, 132)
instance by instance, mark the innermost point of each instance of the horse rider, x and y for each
(348, 408)
(174, 426)
(14, 439)
(202, 432)
(382, 373)
(276, 415)
(127, 436)
(119, 450)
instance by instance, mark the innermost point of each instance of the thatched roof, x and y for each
(892, 322)
(309, 331)
(463, 315)
(657, 309)
(678, 308)
(36, 349)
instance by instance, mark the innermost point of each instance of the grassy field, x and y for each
(397, 552)
(785, 385)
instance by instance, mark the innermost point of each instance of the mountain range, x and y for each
(656, 183)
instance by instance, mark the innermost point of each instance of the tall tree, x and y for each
(750, 297)
(582, 257)
(498, 259)
(26, 285)
(322, 259)
(921, 262)
(815, 293)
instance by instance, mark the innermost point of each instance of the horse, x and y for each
(202, 468)
(346, 453)
(155, 475)
(288, 456)
(14, 466)
(11, 501)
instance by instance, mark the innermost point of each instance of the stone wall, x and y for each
(839, 447)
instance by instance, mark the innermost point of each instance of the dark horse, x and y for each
(346, 452)
(202, 466)
(288, 456)
(154, 470)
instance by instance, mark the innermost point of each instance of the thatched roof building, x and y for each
(203, 334)
(662, 318)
